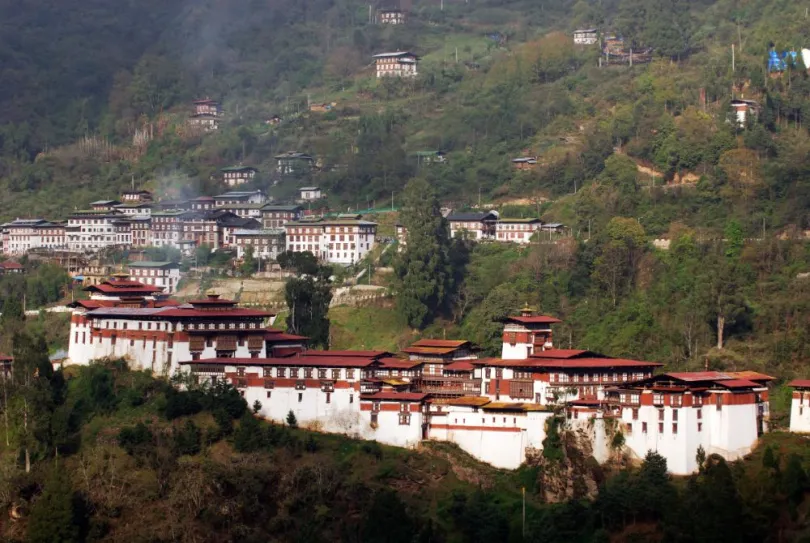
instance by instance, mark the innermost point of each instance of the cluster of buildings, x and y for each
(234, 220)
(490, 226)
(496, 409)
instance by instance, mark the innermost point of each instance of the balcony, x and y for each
(447, 386)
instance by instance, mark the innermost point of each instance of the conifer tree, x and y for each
(423, 267)
(54, 514)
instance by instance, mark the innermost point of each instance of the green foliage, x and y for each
(423, 267)
(249, 264)
(308, 300)
(135, 439)
(292, 420)
(248, 437)
(187, 440)
(55, 516)
(552, 443)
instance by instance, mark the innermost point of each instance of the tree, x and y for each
(303, 263)
(54, 516)
(308, 300)
(12, 312)
(292, 421)
(423, 269)
(202, 255)
(249, 263)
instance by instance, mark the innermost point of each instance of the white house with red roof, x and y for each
(800, 406)
(675, 414)
(526, 334)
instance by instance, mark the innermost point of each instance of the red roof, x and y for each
(536, 319)
(11, 265)
(285, 352)
(461, 365)
(6, 358)
(560, 353)
(393, 363)
(183, 312)
(738, 383)
(799, 383)
(439, 351)
(283, 336)
(351, 354)
(691, 376)
(551, 363)
(298, 361)
(395, 396)
(456, 343)
(124, 287)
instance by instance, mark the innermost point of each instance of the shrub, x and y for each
(187, 440)
(135, 437)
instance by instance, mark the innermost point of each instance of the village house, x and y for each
(238, 175)
(396, 64)
(586, 36)
(244, 211)
(104, 205)
(240, 197)
(336, 241)
(166, 228)
(206, 114)
(308, 194)
(90, 231)
(742, 110)
(11, 267)
(202, 203)
(800, 406)
(391, 16)
(517, 230)
(292, 162)
(524, 163)
(676, 413)
(430, 157)
(164, 275)
(122, 230)
(475, 225)
(135, 209)
(267, 243)
(136, 197)
(401, 234)
(276, 216)
(322, 108)
(22, 235)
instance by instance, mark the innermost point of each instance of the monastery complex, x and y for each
(496, 409)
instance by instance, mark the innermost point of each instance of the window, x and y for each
(281, 372)
(321, 374)
(700, 426)
(240, 371)
(658, 399)
(486, 372)
(697, 400)
(404, 419)
(700, 414)
(328, 397)
(268, 372)
(635, 399)
(269, 393)
(644, 427)
(294, 373)
(308, 373)
(676, 400)
(336, 374)
(635, 414)
(660, 427)
(629, 428)
(674, 427)
(351, 398)
(718, 401)
(674, 415)
(349, 374)
(660, 414)
(300, 397)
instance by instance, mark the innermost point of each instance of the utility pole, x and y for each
(392, 200)
(732, 58)
(523, 492)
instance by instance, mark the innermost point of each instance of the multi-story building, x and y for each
(267, 243)
(391, 17)
(240, 197)
(166, 228)
(675, 414)
(90, 231)
(135, 209)
(213, 228)
(517, 230)
(202, 203)
(274, 216)
(238, 175)
(526, 334)
(136, 197)
(164, 275)
(206, 114)
(586, 36)
(104, 205)
(22, 235)
(476, 226)
(309, 194)
(396, 64)
(141, 228)
(337, 241)
(293, 162)
(155, 336)
(800, 406)
(122, 229)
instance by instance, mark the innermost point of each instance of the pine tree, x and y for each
(292, 421)
(308, 299)
(54, 516)
(423, 267)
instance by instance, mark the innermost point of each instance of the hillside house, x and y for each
(166, 228)
(238, 175)
(22, 235)
(202, 203)
(308, 194)
(135, 209)
(136, 197)
(10, 267)
(91, 230)
(742, 110)
(391, 17)
(206, 114)
(336, 241)
(800, 406)
(585, 36)
(517, 230)
(322, 108)
(165, 275)
(267, 243)
(473, 225)
(292, 162)
(104, 205)
(430, 157)
(524, 163)
(276, 216)
(396, 64)
(240, 197)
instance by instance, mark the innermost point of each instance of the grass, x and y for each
(368, 328)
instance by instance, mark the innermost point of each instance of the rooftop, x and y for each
(149, 264)
(472, 216)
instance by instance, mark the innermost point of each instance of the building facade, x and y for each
(338, 241)
(800, 406)
(516, 230)
(165, 275)
(267, 243)
(234, 176)
(396, 64)
(477, 226)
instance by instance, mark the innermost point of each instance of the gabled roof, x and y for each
(149, 264)
(460, 365)
(394, 54)
(534, 319)
(11, 265)
(472, 216)
(597, 362)
(310, 188)
(468, 401)
(271, 207)
(393, 363)
(799, 383)
(565, 353)
(530, 220)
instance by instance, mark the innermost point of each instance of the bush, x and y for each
(134, 438)
(372, 448)
(180, 404)
(187, 440)
(249, 436)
